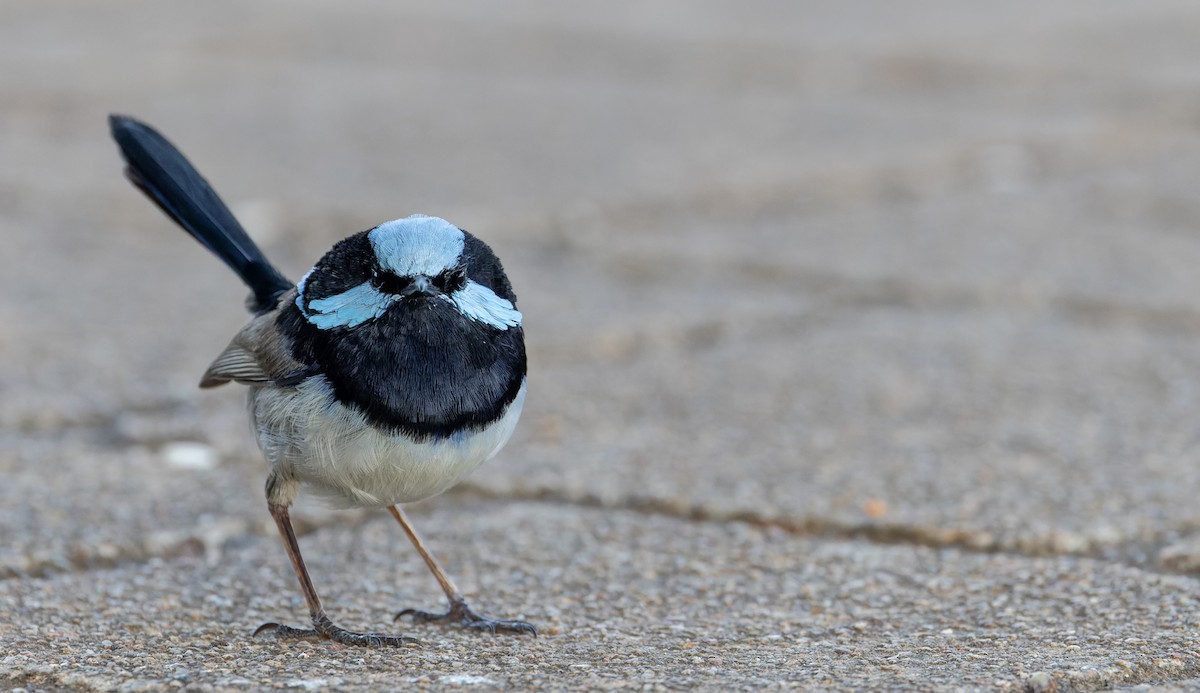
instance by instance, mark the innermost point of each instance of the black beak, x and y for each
(419, 286)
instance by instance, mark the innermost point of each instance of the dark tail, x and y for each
(160, 171)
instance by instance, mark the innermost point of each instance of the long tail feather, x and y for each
(160, 171)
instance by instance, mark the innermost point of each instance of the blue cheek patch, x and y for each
(478, 302)
(348, 309)
(364, 302)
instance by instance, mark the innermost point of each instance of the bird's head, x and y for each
(404, 265)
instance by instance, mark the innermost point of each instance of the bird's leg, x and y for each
(459, 613)
(322, 626)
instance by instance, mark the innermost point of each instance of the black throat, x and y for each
(421, 369)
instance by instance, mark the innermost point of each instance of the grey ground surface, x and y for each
(865, 341)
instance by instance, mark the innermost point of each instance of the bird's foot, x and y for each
(462, 615)
(324, 628)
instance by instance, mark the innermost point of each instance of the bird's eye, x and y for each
(389, 283)
(451, 280)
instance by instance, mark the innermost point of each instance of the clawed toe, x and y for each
(324, 628)
(285, 632)
(461, 615)
(493, 625)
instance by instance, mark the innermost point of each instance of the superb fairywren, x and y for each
(392, 370)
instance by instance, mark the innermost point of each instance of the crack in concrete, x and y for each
(899, 534)
(209, 539)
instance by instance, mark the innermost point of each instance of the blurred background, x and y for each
(913, 272)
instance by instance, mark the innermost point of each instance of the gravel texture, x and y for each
(623, 599)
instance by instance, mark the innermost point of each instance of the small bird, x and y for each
(389, 373)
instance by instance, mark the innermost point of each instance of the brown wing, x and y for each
(236, 364)
(258, 355)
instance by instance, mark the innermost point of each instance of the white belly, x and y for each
(330, 449)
